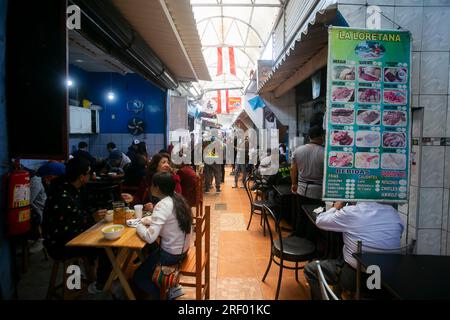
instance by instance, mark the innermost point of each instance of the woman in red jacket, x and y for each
(159, 163)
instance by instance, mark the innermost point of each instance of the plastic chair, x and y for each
(291, 249)
(325, 289)
(406, 250)
(256, 206)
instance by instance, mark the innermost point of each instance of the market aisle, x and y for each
(239, 257)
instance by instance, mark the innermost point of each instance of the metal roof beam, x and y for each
(230, 46)
(236, 19)
(254, 5)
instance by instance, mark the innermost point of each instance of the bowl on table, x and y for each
(113, 232)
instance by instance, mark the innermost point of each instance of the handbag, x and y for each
(167, 277)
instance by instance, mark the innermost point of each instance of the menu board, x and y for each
(368, 115)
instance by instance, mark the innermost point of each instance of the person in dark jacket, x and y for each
(83, 152)
(66, 216)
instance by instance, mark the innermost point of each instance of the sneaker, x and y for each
(175, 292)
(206, 190)
(92, 288)
(218, 190)
(242, 187)
(234, 186)
(37, 246)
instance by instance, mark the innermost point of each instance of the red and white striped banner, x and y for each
(226, 61)
(227, 104)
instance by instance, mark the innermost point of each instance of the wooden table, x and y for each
(127, 244)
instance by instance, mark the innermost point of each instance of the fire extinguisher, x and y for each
(17, 190)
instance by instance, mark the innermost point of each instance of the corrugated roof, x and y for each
(169, 28)
(311, 39)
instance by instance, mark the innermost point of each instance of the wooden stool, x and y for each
(66, 293)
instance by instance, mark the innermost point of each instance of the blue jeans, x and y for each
(143, 275)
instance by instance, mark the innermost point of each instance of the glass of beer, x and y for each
(119, 215)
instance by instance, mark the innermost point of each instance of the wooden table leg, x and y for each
(120, 257)
(116, 261)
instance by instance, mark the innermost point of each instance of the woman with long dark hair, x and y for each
(172, 221)
(159, 163)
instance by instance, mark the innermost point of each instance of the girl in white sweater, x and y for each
(172, 221)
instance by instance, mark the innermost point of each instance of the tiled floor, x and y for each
(240, 256)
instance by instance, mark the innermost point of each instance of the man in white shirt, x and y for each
(377, 225)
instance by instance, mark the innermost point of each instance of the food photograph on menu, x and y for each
(342, 116)
(344, 73)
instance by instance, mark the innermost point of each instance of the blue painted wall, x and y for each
(94, 86)
(6, 285)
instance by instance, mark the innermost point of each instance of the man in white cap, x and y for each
(133, 150)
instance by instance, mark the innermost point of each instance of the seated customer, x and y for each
(160, 163)
(377, 225)
(50, 171)
(116, 159)
(83, 152)
(65, 217)
(171, 221)
(188, 179)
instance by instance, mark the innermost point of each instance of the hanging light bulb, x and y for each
(111, 96)
(69, 83)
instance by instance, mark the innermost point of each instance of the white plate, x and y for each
(133, 223)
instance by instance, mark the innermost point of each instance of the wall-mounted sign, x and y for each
(368, 118)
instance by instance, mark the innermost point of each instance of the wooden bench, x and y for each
(197, 262)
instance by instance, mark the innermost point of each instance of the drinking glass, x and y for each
(119, 213)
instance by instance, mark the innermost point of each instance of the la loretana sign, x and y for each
(368, 115)
(73, 21)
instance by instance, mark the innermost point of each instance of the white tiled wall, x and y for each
(413, 205)
(429, 241)
(435, 33)
(155, 142)
(446, 210)
(430, 207)
(432, 170)
(448, 243)
(434, 72)
(435, 115)
(411, 18)
(443, 242)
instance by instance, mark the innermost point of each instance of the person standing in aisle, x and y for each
(307, 175)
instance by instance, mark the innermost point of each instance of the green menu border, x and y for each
(408, 125)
